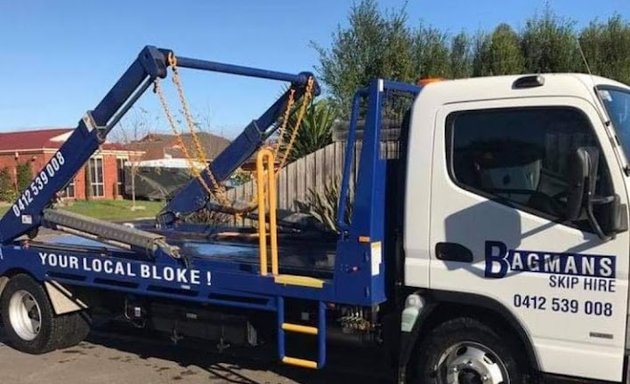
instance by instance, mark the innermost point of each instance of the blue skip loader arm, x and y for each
(193, 196)
(26, 214)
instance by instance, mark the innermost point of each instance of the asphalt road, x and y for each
(126, 357)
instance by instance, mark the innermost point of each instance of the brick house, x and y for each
(163, 167)
(157, 146)
(38, 146)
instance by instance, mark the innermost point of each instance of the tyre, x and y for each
(77, 328)
(466, 351)
(30, 322)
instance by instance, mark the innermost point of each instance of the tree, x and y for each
(460, 56)
(398, 48)
(606, 47)
(498, 53)
(373, 45)
(481, 53)
(431, 53)
(133, 128)
(506, 57)
(7, 188)
(379, 43)
(24, 175)
(550, 44)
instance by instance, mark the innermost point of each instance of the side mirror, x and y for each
(605, 214)
(579, 170)
(612, 216)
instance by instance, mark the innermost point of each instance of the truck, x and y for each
(492, 248)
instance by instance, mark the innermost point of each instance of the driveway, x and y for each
(123, 357)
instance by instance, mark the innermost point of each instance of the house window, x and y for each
(96, 177)
(520, 157)
(120, 183)
(69, 191)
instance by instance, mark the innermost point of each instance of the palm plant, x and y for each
(323, 205)
(315, 131)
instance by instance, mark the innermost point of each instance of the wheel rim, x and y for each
(25, 315)
(471, 363)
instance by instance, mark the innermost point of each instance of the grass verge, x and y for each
(113, 210)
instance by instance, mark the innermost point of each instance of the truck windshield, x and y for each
(617, 103)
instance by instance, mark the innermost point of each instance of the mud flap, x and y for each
(62, 300)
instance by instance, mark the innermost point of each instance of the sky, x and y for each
(59, 58)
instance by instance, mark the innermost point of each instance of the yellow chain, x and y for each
(157, 88)
(308, 96)
(182, 99)
(285, 121)
(282, 130)
(218, 190)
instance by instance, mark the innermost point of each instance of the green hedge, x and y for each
(7, 188)
(24, 176)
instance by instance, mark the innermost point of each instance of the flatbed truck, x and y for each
(492, 249)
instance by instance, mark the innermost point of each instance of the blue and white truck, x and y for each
(493, 249)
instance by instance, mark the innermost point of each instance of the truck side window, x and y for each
(519, 157)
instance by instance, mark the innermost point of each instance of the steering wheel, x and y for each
(550, 202)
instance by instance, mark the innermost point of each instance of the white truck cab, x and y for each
(516, 202)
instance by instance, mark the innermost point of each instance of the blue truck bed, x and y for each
(305, 257)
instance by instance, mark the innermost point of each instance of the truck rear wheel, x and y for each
(30, 321)
(466, 351)
(77, 328)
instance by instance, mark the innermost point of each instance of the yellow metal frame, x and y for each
(304, 281)
(267, 202)
(298, 328)
(299, 362)
(265, 163)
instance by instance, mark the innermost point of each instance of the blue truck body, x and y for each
(356, 277)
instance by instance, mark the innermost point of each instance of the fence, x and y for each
(312, 173)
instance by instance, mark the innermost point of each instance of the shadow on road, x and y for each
(235, 365)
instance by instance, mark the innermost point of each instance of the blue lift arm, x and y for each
(26, 214)
(193, 196)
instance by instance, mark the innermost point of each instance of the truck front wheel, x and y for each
(466, 351)
(30, 321)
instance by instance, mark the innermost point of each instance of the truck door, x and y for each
(498, 228)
